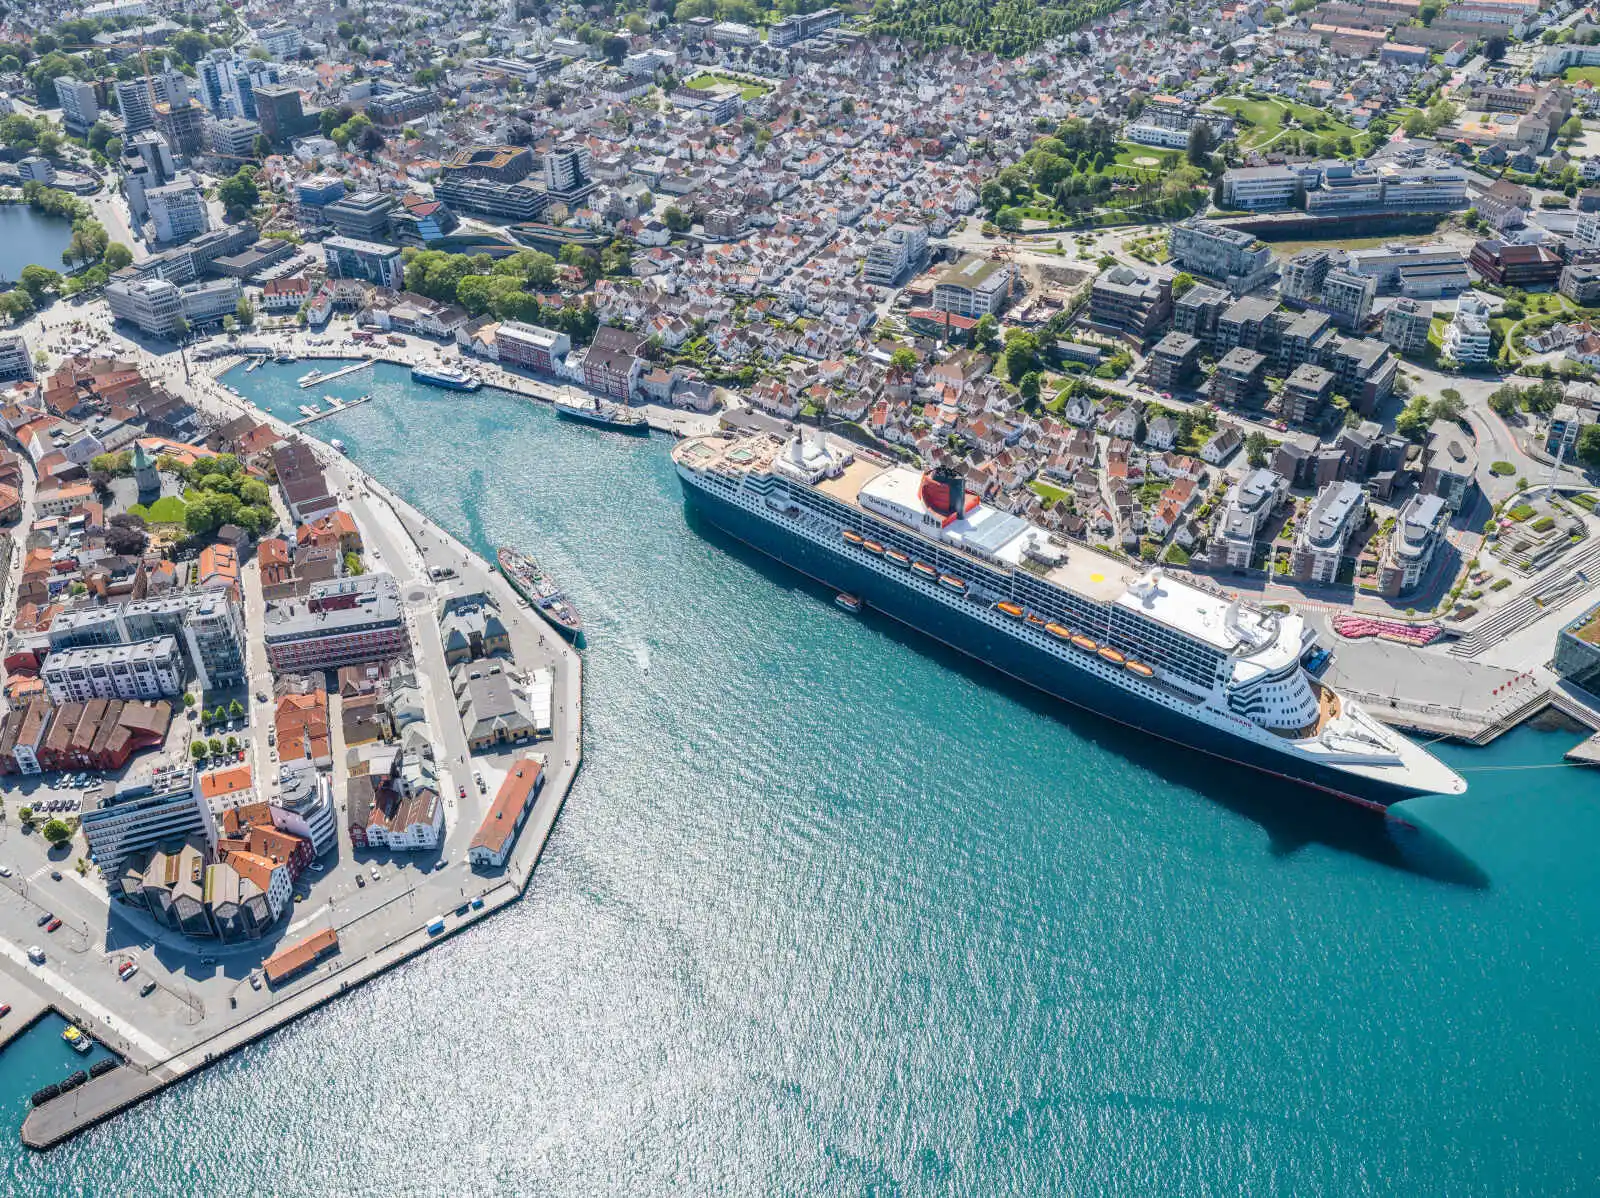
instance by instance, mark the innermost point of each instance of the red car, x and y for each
(52, 925)
(461, 792)
(5, 1009)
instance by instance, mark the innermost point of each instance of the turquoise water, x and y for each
(832, 911)
(34, 1060)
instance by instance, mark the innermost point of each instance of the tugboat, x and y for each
(447, 377)
(534, 585)
(587, 410)
(77, 1039)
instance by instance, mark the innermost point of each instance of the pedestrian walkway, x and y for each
(1532, 606)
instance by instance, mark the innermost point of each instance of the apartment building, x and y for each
(1405, 325)
(1468, 338)
(1339, 509)
(1306, 392)
(1251, 501)
(80, 105)
(1419, 532)
(178, 210)
(1236, 260)
(892, 255)
(15, 360)
(1240, 378)
(973, 286)
(150, 669)
(1174, 361)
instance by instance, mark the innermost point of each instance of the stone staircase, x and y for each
(1528, 608)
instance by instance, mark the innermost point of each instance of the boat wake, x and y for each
(641, 654)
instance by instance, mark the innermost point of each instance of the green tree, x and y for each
(904, 359)
(676, 219)
(1182, 283)
(245, 311)
(1413, 422)
(215, 746)
(37, 281)
(57, 831)
(117, 256)
(238, 192)
(1588, 446)
(1021, 354)
(986, 333)
(1256, 448)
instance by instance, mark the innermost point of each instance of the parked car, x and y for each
(361, 881)
(55, 875)
(52, 925)
(146, 990)
(36, 954)
(44, 919)
(5, 871)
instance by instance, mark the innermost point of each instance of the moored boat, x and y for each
(339, 445)
(77, 1039)
(540, 591)
(310, 379)
(448, 377)
(849, 602)
(587, 410)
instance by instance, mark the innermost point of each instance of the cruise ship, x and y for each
(1170, 657)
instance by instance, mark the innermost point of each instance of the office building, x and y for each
(234, 137)
(15, 361)
(504, 164)
(339, 622)
(568, 174)
(154, 305)
(140, 815)
(280, 113)
(1339, 509)
(394, 105)
(348, 258)
(362, 215)
(183, 124)
(210, 301)
(517, 201)
(178, 210)
(530, 347)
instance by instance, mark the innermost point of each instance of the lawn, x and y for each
(1267, 117)
(1146, 158)
(1254, 112)
(1046, 492)
(169, 509)
(1590, 75)
(1521, 512)
(747, 90)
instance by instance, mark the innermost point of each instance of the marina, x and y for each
(309, 414)
(315, 376)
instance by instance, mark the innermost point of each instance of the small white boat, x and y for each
(339, 445)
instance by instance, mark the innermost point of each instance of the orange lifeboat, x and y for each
(872, 546)
(1139, 668)
(1007, 608)
(1057, 630)
(924, 569)
(1112, 656)
(1084, 642)
(852, 536)
(1033, 619)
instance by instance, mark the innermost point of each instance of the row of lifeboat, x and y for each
(949, 582)
(1115, 656)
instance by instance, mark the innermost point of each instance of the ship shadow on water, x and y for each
(1292, 817)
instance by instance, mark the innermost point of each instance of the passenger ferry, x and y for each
(1215, 673)
(447, 377)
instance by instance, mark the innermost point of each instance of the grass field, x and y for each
(169, 509)
(1268, 117)
(1590, 75)
(747, 90)
(1146, 158)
